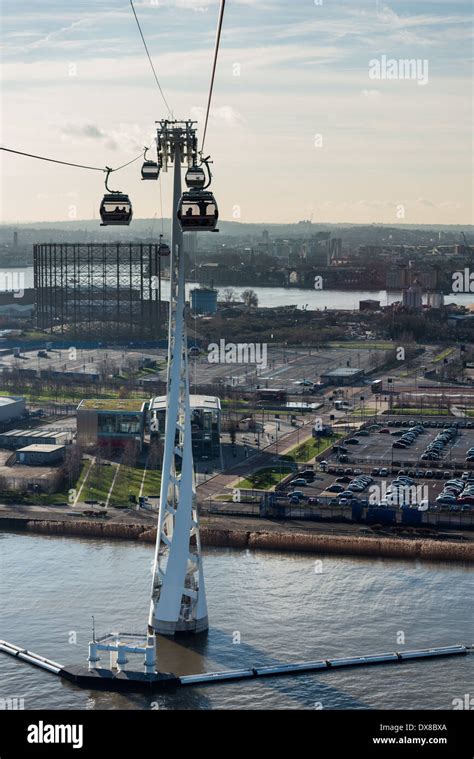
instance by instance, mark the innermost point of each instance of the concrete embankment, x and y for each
(275, 540)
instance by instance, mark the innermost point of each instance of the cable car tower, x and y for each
(178, 598)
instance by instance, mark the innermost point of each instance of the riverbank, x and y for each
(274, 537)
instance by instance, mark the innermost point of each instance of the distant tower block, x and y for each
(178, 602)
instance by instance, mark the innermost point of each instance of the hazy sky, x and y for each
(77, 86)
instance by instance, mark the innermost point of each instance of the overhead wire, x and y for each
(214, 64)
(105, 169)
(150, 60)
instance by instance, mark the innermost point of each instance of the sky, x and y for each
(314, 115)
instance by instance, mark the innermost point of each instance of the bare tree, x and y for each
(250, 298)
(229, 295)
(155, 454)
(130, 453)
(71, 468)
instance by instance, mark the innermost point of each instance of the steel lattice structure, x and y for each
(104, 290)
(178, 596)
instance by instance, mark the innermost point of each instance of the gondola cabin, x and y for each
(195, 178)
(150, 170)
(116, 209)
(164, 250)
(197, 211)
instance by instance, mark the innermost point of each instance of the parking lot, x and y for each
(423, 489)
(374, 456)
(285, 368)
(377, 449)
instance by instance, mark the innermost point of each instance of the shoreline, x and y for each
(265, 539)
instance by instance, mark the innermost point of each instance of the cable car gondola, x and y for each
(195, 178)
(197, 211)
(150, 169)
(163, 248)
(116, 207)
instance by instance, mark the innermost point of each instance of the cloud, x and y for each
(126, 137)
(224, 114)
(86, 130)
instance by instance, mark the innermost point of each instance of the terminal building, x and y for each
(344, 375)
(111, 421)
(205, 423)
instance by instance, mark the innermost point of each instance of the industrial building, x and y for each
(345, 375)
(20, 438)
(205, 423)
(413, 297)
(11, 407)
(39, 454)
(203, 300)
(99, 290)
(110, 422)
(369, 305)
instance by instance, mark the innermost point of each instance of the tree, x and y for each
(232, 431)
(71, 468)
(250, 298)
(155, 454)
(229, 295)
(130, 453)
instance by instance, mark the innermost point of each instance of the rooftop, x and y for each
(343, 371)
(5, 400)
(196, 401)
(112, 404)
(39, 448)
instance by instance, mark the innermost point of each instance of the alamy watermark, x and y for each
(13, 282)
(462, 281)
(238, 353)
(12, 703)
(401, 68)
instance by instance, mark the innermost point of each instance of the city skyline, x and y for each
(300, 128)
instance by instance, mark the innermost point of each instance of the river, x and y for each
(264, 607)
(269, 297)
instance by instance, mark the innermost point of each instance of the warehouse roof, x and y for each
(41, 448)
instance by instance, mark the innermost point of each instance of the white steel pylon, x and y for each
(178, 602)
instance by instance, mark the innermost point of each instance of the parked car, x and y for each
(299, 494)
(335, 488)
(299, 481)
(352, 441)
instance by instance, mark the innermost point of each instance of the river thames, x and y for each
(264, 608)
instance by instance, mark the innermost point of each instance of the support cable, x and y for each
(106, 169)
(216, 53)
(149, 58)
